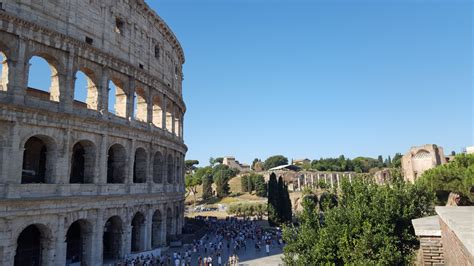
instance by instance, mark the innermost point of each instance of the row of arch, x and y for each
(34, 242)
(124, 98)
(40, 158)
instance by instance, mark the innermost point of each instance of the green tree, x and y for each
(205, 174)
(190, 165)
(369, 225)
(275, 161)
(191, 183)
(254, 162)
(456, 176)
(273, 200)
(244, 183)
(260, 186)
(397, 160)
(219, 160)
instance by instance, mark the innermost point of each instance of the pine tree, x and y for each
(260, 186)
(281, 201)
(206, 186)
(244, 183)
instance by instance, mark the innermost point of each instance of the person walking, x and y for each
(267, 249)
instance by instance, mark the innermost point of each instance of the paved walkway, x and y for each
(247, 257)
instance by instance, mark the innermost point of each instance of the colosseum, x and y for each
(91, 164)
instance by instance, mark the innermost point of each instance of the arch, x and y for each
(3, 72)
(33, 244)
(169, 224)
(156, 227)
(157, 111)
(85, 90)
(140, 110)
(116, 164)
(140, 166)
(138, 232)
(422, 154)
(117, 98)
(79, 242)
(170, 169)
(158, 168)
(82, 163)
(169, 116)
(39, 157)
(38, 85)
(177, 123)
(112, 239)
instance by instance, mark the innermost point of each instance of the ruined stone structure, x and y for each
(419, 159)
(234, 164)
(94, 180)
(297, 180)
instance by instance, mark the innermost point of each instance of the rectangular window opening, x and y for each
(89, 40)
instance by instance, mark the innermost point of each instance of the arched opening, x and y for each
(38, 160)
(156, 229)
(157, 112)
(178, 170)
(85, 90)
(79, 243)
(158, 168)
(138, 232)
(43, 79)
(32, 247)
(82, 163)
(139, 166)
(169, 116)
(140, 105)
(117, 98)
(112, 239)
(3, 72)
(169, 224)
(116, 164)
(177, 123)
(170, 169)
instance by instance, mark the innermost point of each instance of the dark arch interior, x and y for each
(28, 251)
(138, 232)
(139, 167)
(157, 168)
(75, 243)
(112, 239)
(116, 165)
(77, 164)
(156, 230)
(170, 169)
(34, 161)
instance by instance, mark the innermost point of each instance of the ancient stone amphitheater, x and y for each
(92, 173)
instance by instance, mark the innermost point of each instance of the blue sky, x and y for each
(323, 78)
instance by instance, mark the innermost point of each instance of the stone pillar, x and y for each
(130, 99)
(148, 227)
(13, 168)
(18, 74)
(173, 126)
(338, 180)
(103, 155)
(163, 225)
(350, 178)
(66, 87)
(332, 180)
(299, 183)
(97, 239)
(163, 109)
(149, 107)
(127, 238)
(60, 243)
(103, 94)
(131, 161)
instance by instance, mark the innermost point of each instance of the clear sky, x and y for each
(323, 78)
(311, 79)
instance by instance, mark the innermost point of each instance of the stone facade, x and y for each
(234, 164)
(297, 180)
(79, 183)
(419, 159)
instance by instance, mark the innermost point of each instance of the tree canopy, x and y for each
(456, 176)
(275, 161)
(365, 224)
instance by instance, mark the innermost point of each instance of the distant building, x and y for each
(234, 164)
(383, 176)
(419, 159)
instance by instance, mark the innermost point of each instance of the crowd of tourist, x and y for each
(224, 241)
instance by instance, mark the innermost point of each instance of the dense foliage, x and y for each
(248, 209)
(456, 176)
(191, 183)
(275, 161)
(358, 164)
(365, 224)
(190, 165)
(279, 202)
(253, 182)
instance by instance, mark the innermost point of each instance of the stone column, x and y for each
(60, 243)
(130, 99)
(332, 180)
(18, 74)
(149, 107)
(131, 161)
(66, 87)
(163, 109)
(338, 180)
(97, 239)
(148, 227)
(103, 94)
(163, 225)
(127, 238)
(173, 126)
(103, 156)
(14, 165)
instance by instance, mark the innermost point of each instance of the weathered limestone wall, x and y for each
(135, 49)
(419, 159)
